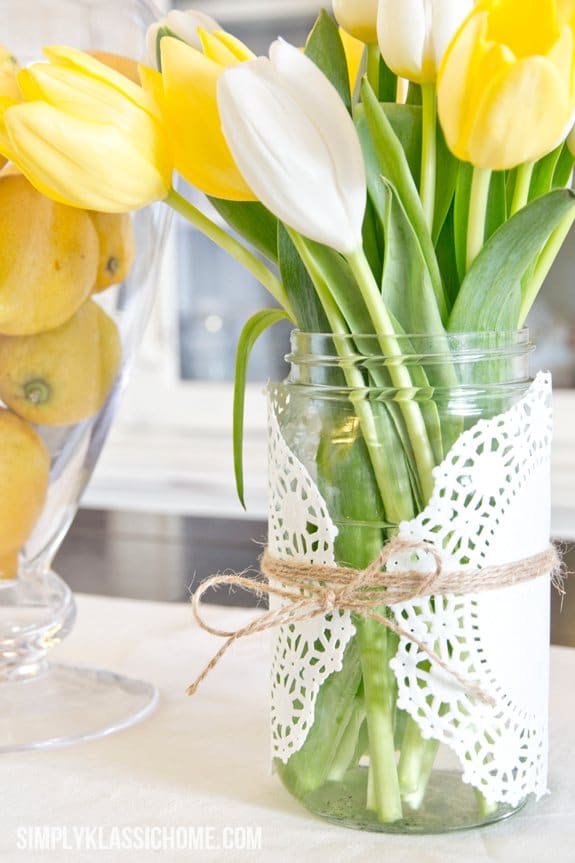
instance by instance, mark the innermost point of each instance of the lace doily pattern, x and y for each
(304, 654)
(490, 505)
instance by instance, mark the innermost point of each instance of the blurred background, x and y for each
(161, 512)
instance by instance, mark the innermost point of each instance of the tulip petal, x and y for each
(448, 16)
(235, 46)
(353, 54)
(323, 105)
(496, 139)
(296, 145)
(185, 25)
(82, 95)
(201, 153)
(215, 49)
(358, 18)
(402, 32)
(89, 66)
(532, 32)
(82, 164)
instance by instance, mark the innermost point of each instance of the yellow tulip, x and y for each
(185, 26)
(358, 18)
(9, 90)
(187, 95)
(506, 87)
(86, 136)
(353, 54)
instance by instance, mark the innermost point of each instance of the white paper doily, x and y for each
(490, 505)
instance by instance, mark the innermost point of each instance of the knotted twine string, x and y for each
(314, 590)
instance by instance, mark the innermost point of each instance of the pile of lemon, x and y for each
(60, 352)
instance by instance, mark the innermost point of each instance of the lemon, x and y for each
(48, 259)
(116, 238)
(63, 376)
(24, 474)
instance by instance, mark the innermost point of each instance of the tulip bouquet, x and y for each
(406, 174)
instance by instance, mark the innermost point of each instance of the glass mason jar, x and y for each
(354, 460)
(76, 291)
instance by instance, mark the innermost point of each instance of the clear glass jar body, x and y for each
(366, 443)
(73, 307)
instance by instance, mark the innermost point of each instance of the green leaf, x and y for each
(251, 332)
(543, 174)
(414, 95)
(309, 313)
(381, 144)
(387, 83)
(373, 241)
(328, 269)
(406, 285)
(325, 48)
(564, 168)
(253, 222)
(447, 173)
(405, 120)
(490, 296)
(461, 216)
(497, 204)
(445, 250)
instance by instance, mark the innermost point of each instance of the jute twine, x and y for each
(313, 590)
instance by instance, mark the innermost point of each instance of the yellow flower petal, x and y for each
(497, 140)
(82, 164)
(235, 45)
(506, 87)
(353, 54)
(201, 153)
(223, 48)
(215, 49)
(89, 66)
(533, 31)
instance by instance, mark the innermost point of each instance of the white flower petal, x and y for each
(402, 34)
(185, 26)
(448, 16)
(289, 155)
(152, 45)
(324, 107)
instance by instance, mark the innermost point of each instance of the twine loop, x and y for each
(314, 590)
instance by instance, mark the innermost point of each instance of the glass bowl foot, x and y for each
(67, 705)
(46, 705)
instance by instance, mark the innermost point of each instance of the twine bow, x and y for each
(314, 590)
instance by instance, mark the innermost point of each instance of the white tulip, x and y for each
(357, 17)
(295, 145)
(414, 35)
(183, 25)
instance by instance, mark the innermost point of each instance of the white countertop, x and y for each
(203, 762)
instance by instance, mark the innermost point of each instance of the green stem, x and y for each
(373, 67)
(429, 152)
(347, 749)
(394, 510)
(485, 808)
(478, 202)
(415, 764)
(232, 246)
(383, 796)
(398, 372)
(543, 266)
(523, 177)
